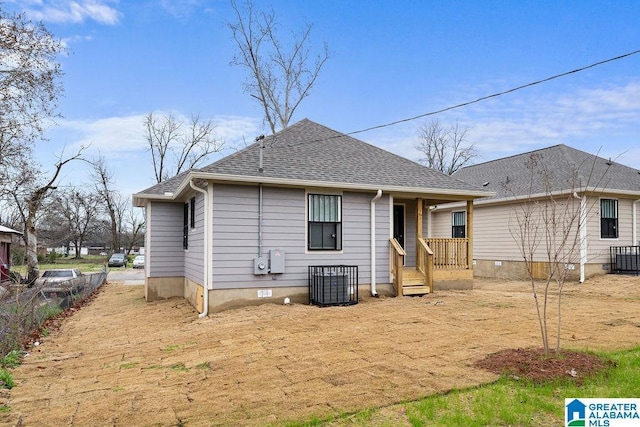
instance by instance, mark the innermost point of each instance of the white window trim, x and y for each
(323, 192)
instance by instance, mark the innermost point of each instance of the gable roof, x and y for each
(309, 154)
(566, 169)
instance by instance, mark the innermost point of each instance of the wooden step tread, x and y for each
(415, 290)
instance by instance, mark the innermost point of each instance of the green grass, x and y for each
(12, 359)
(87, 264)
(505, 402)
(6, 379)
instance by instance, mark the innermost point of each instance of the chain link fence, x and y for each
(24, 309)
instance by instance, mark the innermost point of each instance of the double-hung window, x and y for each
(458, 224)
(185, 227)
(608, 218)
(324, 222)
(192, 207)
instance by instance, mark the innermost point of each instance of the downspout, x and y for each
(582, 229)
(373, 242)
(207, 249)
(635, 223)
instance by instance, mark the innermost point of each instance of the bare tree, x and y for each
(29, 86)
(280, 74)
(134, 228)
(445, 149)
(29, 193)
(546, 228)
(104, 185)
(80, 211)
(176, 146)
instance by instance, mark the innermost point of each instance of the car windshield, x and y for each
(58, 273)
(117, 256)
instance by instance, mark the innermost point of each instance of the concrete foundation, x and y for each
(516, 270)
(157, 288)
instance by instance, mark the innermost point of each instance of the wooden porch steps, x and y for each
(413, 282)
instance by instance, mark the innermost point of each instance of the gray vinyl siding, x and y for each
(598, 248)
(235, 236)
(194, 256)
(166, 257)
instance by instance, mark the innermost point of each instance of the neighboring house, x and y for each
(604, 192)
(6, 236)
(248, 227)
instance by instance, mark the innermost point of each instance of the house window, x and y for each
(185, 227)
(608, 218)
(459, 222)
(325, 222)
(193, 212)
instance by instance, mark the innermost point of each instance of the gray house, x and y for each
(252, 227)
(600, 195)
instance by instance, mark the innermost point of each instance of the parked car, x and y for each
(60, 282)
(117, 260)
(138, 261)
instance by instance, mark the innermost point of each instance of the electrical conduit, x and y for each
(373, 242)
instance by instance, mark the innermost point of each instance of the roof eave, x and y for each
(140, 199)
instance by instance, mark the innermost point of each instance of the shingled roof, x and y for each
(308, 152)
(566, 169)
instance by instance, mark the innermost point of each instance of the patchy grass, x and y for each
(180, 367)
(505, 402)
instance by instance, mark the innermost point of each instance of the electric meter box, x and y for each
(276, 259)
(260, 266)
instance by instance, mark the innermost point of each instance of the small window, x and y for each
(193, 212)
(185, 227)
(459, 222)
(608, 218)
(325, 222)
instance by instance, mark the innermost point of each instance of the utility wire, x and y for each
(464, 104)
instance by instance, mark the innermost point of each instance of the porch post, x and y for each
(418, 232)
(419, 219)
(470, 234)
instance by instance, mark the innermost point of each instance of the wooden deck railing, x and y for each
(397, 261)
(449, 253)
(424, 262)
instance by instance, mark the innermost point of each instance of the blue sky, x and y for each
(389, 61)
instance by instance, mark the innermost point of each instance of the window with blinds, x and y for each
(324, 222)
(608, 218)
(459, 222)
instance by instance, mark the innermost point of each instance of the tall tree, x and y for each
(29, 86)
(104, 184)
(80, 211)
(29, 192)
(178, 145)
(445, 149)
(280, 73)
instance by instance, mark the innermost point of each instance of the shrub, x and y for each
(6, 379)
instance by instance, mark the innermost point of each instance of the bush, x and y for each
(11, 359)
(6, 379)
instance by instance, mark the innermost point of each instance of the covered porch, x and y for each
(422, 258)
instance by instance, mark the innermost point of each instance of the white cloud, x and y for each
(65, 11)
(120, 136)
(515, 125)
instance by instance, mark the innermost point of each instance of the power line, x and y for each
(464, 104)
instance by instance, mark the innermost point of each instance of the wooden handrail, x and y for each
(397, 261)
(425, 262)
(449, 253)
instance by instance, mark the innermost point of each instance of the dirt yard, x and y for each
(119, 361)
